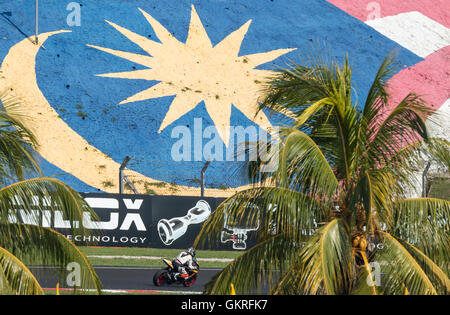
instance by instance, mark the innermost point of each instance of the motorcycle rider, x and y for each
(183, 262)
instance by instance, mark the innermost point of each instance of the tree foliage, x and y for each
(344, 182)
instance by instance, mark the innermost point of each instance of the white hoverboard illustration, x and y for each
(172, 229)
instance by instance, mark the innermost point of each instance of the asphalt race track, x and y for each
(130, 279)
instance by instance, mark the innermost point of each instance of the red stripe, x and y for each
(429, 78)
(438, 10)
(125, 290)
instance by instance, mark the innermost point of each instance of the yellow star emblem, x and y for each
(197, 71)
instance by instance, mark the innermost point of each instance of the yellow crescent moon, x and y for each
(61, 145)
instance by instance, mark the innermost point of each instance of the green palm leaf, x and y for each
(16, 143)
(325, 262)
(15, 278)
(434, 272)
(401, 269)
(257, 268)
(31, 201)
(294, 216)
(377, 98)
(32, 198)
(424, 223)
(57, 252)
(404, 125)
(302, 161)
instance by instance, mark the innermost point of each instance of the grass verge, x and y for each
(145, 257)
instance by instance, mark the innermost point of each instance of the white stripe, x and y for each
(438, 124)
(121, 267)
(102, 203)
(414, 31)
(155, 258)
(130, 291)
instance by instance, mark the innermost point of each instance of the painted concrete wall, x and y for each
(76, 84)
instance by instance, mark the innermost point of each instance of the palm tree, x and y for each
(338, 215)
(25, 203)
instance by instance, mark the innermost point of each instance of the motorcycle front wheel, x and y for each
(160, 277)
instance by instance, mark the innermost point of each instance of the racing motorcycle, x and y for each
(166, 275)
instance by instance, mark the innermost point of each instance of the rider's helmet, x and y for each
(191, 251)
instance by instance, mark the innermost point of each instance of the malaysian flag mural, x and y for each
(110, 78)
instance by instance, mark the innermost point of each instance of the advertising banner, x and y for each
(158, 222)
(146, 221)
(124, 220)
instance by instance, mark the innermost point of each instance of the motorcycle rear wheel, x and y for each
(161, 277)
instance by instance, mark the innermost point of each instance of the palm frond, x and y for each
(274, 210)
(296, 87)
(17, 143)
(423, 222)
(366, 280)
(404, 125)
(434, 272)
(401, 270)
(376, 191)
(304, 167)
(377, 98)
(15, 278)
(37, 200)
(325, 262)
(256, 269)
(57, 251)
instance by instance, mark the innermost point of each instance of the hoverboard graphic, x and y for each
(172, 229)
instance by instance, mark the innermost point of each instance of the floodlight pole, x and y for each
(36, 23)
(202, 175)
(9, 13)
(424, 179)
(121, 168)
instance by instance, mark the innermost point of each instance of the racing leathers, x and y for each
(182, 263)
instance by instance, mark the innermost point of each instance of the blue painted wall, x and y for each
(66, 69)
